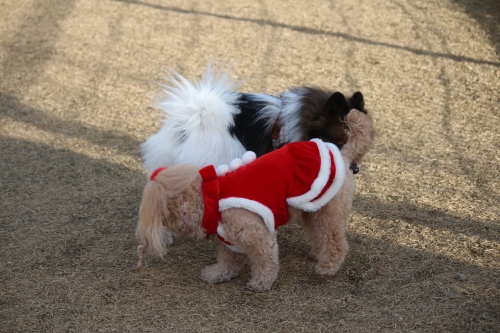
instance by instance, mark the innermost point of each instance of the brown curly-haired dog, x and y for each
(164, 211)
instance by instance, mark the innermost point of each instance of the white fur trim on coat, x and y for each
(251, 205)
(321, 180)
(222, 170)
(248, 157)
(338, 181)
(235, 164)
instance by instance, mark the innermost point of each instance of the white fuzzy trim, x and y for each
(235, 164)
(251, 205)
(338, 181)
(248, 157)
(321, 180)
(222, 233)
(222, 170)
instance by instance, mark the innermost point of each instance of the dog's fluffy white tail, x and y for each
(360, 134)
(198, 116)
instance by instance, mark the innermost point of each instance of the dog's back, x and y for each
(210, 122)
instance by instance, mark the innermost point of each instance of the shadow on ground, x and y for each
(487, 14)
(313, 31)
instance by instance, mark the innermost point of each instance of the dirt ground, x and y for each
(77, 83)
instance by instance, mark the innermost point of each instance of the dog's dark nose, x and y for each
(354, 168)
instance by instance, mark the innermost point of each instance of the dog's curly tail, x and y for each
(151, 232)
(361, 132)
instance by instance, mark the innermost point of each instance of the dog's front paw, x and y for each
(217, 274)
(313, 255)
(258, 285)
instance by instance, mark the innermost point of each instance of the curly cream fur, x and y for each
(161, 215)
(361, 133)
(173, 203)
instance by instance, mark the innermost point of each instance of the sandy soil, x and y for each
(77, 83)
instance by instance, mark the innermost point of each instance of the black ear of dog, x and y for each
(357, 102)
(336, 105)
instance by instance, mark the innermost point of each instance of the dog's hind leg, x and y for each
(263, 256)
(228, 266)
(247, 232)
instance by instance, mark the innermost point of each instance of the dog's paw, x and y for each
(217, 274)
(212, 274)
(258, 285)
(170, 239)
(326, 270)
(313, 255)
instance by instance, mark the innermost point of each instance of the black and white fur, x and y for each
(211, 122)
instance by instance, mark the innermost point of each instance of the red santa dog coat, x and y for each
(304, 175)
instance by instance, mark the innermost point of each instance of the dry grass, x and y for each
(77, 81)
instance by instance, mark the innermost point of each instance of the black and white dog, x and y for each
(211, 122)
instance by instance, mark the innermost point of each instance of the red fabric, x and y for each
(211, 195)
(223, 240)
(330, 179)
(273, 178)
(156, 172)
(269, 180)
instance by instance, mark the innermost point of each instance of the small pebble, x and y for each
(461, 277)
